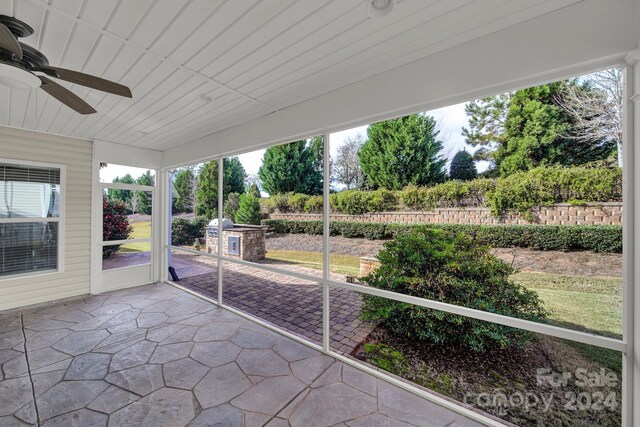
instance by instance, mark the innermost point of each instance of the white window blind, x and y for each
(29, 218)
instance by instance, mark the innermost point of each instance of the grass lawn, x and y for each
(341, 264)
(141, 230)
(590, 304)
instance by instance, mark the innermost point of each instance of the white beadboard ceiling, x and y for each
(252, 57)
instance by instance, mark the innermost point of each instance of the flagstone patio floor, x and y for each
(158, 356)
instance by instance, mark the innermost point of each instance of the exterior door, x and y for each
(126, 221)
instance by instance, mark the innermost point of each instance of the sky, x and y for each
(450, 121)
(107, 174)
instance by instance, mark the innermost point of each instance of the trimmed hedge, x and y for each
(518, 193)
(522, 191)
(596, 238)
(356, 202)
(185, 231)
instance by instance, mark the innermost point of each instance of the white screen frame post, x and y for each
(631, 240)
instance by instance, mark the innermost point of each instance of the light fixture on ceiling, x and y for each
(205, 99)
(380, 8)
(17, 78)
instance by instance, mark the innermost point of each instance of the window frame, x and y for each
(60, 219)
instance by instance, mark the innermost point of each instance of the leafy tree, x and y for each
(185, 185)
(463, 167)
(345, 169)
(115, 224)
(248, 211)
(291, 167)
(231, 206)
(144, 197)
(207, 182)
(403, 151)
(252, 184)
(595, 106)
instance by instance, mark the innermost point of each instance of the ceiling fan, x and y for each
(22, 66)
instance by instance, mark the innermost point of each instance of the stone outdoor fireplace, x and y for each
(242, 241)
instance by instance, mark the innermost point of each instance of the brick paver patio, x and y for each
(290, 303)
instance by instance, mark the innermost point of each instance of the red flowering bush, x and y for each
(115, 224)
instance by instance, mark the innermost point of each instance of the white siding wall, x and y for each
(77, 155)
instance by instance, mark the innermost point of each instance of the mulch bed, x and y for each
(483, 379)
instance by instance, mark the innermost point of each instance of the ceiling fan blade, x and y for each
(9, 42)
(65, 96)
(87, 80)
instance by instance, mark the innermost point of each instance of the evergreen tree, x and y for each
(487, 119)
(463, 167)
(316, 145)
(530, 128)
(144, 200)
(231, 206)
(254, 190)
(248, 211)
(207, 192)
(123, 196)
(292, 167)
(184, 184)
(403, 151)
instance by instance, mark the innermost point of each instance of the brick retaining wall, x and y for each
(560, 214)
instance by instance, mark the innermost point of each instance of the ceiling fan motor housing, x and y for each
(16, 26)
(20, 62)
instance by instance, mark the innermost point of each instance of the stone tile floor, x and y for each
(158, 356)
(290, 303)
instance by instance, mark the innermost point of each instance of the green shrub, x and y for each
(595, 238)
(356, 202)
(452, 268)
(231, 206)
(516, 193)
(314, 204)
(449, 194)
(186, 231)
(249, 210)
(265, 206)
(297, 202)
(115, 224)
(280, 203)
(521, 191)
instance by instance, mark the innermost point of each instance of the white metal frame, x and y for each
(156, 246)
(131, 187)
(631, 299)
(60, 220)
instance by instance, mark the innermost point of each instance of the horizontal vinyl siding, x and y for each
(76, 155)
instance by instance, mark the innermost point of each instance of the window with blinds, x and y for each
(29, 218)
